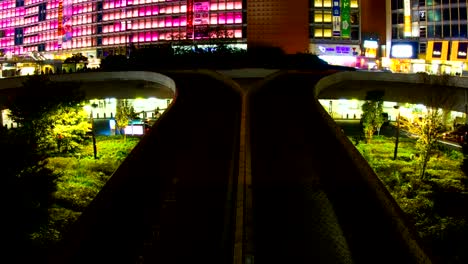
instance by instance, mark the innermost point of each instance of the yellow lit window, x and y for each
(327, 33)
(318, 3)
(327, 3)
(318, 33)
(354, 4)
(327, 16)
(318, 16)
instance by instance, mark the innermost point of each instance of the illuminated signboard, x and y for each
(336, 18)
(407, 50)
(345, 19)
(407, 18)
(370, 44)
(462, 50)
(437, 50)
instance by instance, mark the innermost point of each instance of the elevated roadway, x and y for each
(244, 175)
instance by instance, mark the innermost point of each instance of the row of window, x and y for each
(326, 32)
(139, 37)
(329, 3)
(435, 31)
(448, 14)
(325, 16)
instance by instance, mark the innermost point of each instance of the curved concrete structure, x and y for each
(127, 84)
(398, 87)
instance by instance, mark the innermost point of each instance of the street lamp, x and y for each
(397, 107)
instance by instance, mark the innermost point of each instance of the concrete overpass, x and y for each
(397, 87)
(239, 179)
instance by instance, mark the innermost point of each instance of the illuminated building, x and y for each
(335, 31)
(39, 30)
(436, 29)
(52, 30)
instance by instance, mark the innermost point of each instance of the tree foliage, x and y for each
(46, 110)
(429, 125)
(124, 113)
(372, 110)
(76, 58)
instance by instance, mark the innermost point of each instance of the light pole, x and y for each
(397, 107)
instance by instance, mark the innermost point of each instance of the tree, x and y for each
(76, 58)
(44, 109)
(429, 125)
(372, 110)
(124, 113)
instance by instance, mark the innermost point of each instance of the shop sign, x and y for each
(345, 19)
(336, 18)
(437, 50)
(406, 50)
(462, 50)
(336, 50)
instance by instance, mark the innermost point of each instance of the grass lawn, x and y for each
(79, 178)
(437, 204)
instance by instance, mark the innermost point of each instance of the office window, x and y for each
(394, 18)
(422, 47)
(317, 3)
(462, 13)
(455, 31)
(354, 4)
(454, 13)
(394, 33)
(463, 29)
(433, 15)
(327, 3)
(318, 16)
(446, 14)
(446, 31)
(422, 32)
(327, 16)
(318, 33)
(430, 31)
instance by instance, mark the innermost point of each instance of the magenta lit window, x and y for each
(237, 18)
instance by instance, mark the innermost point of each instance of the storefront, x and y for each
(337, 54)
(458, 57)
(402, 55)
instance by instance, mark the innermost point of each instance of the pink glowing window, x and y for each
(148, 23)
(154, 36)
(238, 18)
(229, 18)
(135, 12)
(183, 21)
(168, 21)
(129, 2)
(141, 11)
(111, 41)
(148, 36)
(161, 22)
(176, 9)
(105, 41)
(117, 27)
(155, 10)
(169, 9)
(221, 6)
(214, 19)
(176, 22)
(141, 24)
(141, 37)
(222, 18)
(106, 5)
(162, 9)
(214, 6)
(230, 5)
(148, 11)
(123, 39)
(183, 8)
(118, 4)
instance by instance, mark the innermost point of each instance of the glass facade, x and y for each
(65, 25)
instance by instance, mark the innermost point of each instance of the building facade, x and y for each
(38, 30)
(335, 32)
(428, 36)
(34, 31)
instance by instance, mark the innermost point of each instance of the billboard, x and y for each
(404, 50)
(345, 19)
(336, 18)
(459, 51)
(437, 50)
